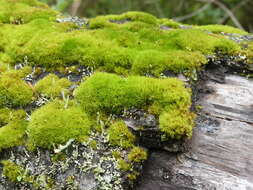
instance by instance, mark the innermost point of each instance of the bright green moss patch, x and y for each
(19, 12)
(12, 134)
(14, 92)
(155, 62)
(8, 115)
(138, 16)
(196, 40)
(137, 154)
(119, 135)
(222, 28)
(112, 94)
(176, 122)
(169, 23)
(52, 86)
(55, 123)
(113, 43)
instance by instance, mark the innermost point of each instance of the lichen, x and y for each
(56, 123)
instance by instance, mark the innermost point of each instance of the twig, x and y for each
(226, 9)
(238, 6)
(193, 13)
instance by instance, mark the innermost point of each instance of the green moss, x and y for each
(133, 176)
(52, 86)
(12, 171)
(24, 11)
(22, 73)
(55, 124)
(117, 43)
(196, 40)
(137, 154)
(59, 157)
(119, 135)
(14, 91)
(17, 174)
(123, 165)
(111, 94)
(177, 122)
(100, 22)
(12, 134)
(8, 115)
(138, 16)
(222, 28)
(169, 23)
(155, 62)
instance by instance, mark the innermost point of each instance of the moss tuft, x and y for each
(169, 23)
(12, 171)
(111, 94)
(52, 86)
(8, 115)
(12, 134)
(119, 135)
(137, 154)
(222, 28)
(14, 92)
(177, 122)
(155, 62)
(197, 40)
(138, 16)
(55, 124)
(123, 165)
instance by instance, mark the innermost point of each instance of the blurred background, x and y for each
(238, 13)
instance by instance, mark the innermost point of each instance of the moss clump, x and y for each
(222, 28)
(169, 23)
(155, 62)
(52, 86)
(123, 165)
(12, 171)
(8, 115)
(19, 12)
(119, 135)
(14, 91)
(197, 40)
(176, 122)
(138, 16)
(17, 174)
(111, 94)
(55, 123)
(12, 134)
(137, 154)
